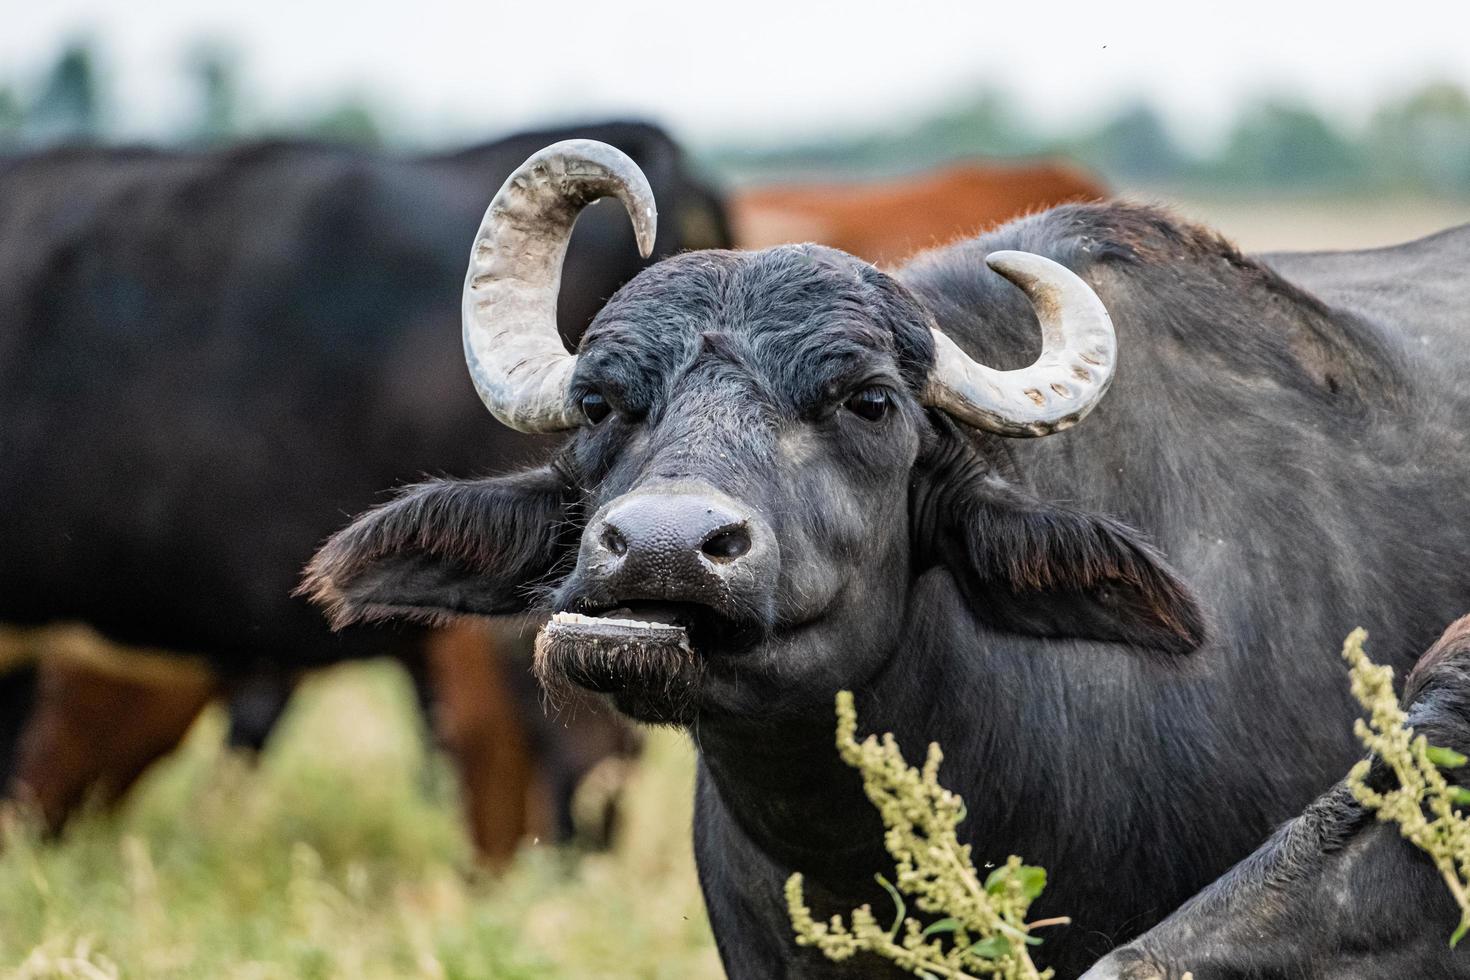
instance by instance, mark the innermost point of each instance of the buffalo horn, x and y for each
(519, 365)
(1078, 353)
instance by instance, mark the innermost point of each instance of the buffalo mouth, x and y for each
(648, 656)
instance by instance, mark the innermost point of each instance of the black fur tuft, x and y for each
(445, 547)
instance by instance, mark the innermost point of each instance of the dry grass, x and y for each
(341, 856)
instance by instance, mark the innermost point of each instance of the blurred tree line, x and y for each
(70, 103)
(1413, 143)
(1417, 143)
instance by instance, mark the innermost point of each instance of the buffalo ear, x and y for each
(444, 547)
(1028, 566)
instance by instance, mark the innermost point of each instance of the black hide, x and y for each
(1334, 894)
(1124, 636)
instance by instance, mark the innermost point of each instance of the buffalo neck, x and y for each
(782, 781)
(1043, 777)
(1047, 742)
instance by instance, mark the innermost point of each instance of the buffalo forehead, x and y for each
(800, 326)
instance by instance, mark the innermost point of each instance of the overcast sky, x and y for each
(758, 68)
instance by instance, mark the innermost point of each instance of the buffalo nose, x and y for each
(614, 542)
(727, 543)
(673, 528)
(680, 543)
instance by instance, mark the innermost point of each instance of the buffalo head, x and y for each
(768, 450)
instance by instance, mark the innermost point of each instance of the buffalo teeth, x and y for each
(577, 619)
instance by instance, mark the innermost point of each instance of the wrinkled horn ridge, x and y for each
(511, 344)
(1079, 351)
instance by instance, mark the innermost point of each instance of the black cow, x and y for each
(1334, 894)
(206, 359)
(784, 481)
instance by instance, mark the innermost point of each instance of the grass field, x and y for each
(341, 855)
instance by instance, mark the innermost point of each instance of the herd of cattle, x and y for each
(275, 321)
(787, 472)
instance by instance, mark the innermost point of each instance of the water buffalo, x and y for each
(207, 358)
(889, 220)
(790, 473)
(1333, 894)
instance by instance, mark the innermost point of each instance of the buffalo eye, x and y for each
(870, 403)
(595, 407)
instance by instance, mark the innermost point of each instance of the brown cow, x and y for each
(97, 715)
(887, 221)
(522, 774)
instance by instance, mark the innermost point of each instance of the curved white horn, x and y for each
(515, 355)
(1079, 351)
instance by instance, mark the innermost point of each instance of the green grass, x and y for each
(341, 855)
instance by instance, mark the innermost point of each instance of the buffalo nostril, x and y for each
(613, 541)
(727, 544)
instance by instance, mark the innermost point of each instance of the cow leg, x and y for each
(17, 700)
(17, 694)
(585, 753)
(101, 717)
(256, 702)
(477, 720)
